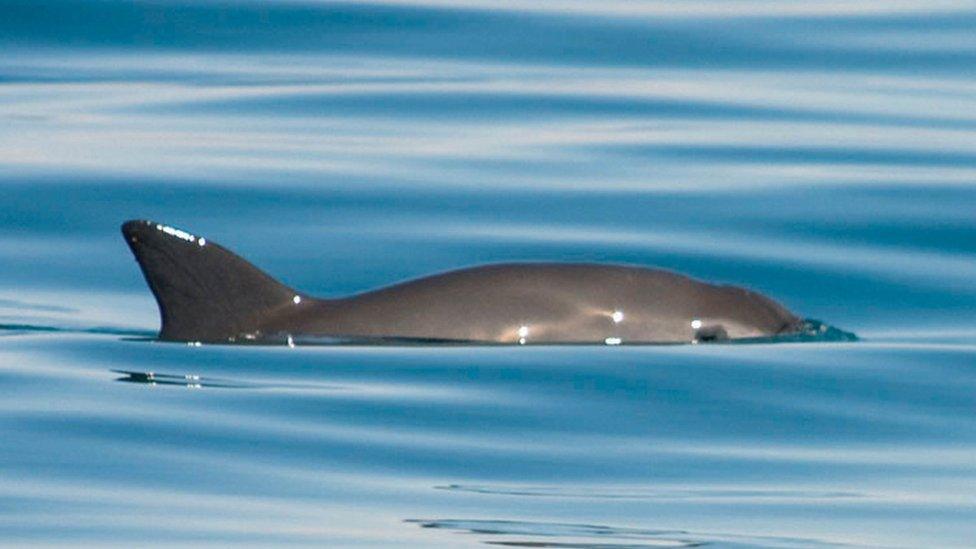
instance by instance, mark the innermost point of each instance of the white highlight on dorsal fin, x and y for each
(178, 233)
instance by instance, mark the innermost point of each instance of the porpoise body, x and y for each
(208, 294)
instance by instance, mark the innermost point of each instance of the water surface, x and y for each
(822, 154)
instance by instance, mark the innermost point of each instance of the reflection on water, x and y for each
(812, 331)
(820, 153)
(191, 381)
(589, 536)
(25, 329)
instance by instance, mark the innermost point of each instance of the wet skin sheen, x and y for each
(207, 293)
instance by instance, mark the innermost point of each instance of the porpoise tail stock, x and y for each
(206, 293)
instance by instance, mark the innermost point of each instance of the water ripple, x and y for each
(592, 536)
(820, 152)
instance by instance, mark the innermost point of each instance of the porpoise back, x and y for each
(207, 293)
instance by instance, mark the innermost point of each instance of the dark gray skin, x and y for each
(206, 293)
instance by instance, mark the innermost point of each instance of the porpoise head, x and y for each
(732, 312)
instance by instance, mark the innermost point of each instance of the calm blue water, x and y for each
(824, 154)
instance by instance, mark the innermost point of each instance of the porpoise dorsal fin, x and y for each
(205, 292)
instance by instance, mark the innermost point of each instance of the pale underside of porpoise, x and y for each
(208, 294)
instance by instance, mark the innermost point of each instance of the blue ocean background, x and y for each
(823, 153)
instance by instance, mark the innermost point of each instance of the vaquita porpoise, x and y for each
(206, 293)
